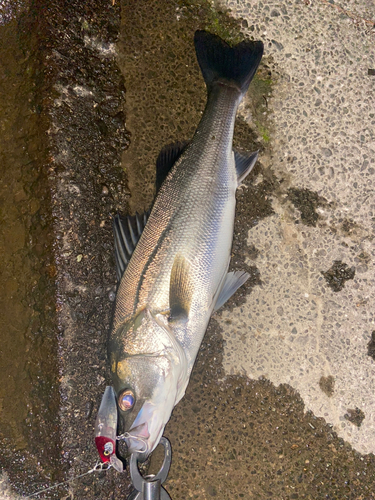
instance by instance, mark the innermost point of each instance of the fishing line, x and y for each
(97, 467)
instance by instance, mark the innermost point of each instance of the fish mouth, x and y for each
(136, 440)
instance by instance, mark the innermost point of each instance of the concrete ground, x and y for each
(280, 402)
(300, 326)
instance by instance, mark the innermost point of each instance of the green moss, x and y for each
(263, 132)
(261, 89)
(219, 24)
(215, 21)
(265, 84)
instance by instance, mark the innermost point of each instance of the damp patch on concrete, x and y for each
(241, 438)
(338, 274)
(166, 93)
(327, 385)
(306, 202)
(355, 416)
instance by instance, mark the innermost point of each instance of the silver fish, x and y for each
(174, 267)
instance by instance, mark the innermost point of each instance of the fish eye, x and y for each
(126, 400)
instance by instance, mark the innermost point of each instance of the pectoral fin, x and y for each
(244, 164)
(180, 289)
(232, 283)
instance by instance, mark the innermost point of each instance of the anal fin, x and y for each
(244, 164)
(232, 283)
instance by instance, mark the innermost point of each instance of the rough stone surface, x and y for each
(298, 329)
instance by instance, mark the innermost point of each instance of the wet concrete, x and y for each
(76, 97)
(29, 392)
(233, 436)
(338, 274)
(165, 91)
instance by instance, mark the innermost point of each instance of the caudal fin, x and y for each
(219, 62)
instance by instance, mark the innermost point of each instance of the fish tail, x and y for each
(220, 63)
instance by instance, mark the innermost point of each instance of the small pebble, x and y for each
(105, 191)
(88, 409)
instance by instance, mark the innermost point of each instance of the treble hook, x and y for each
(150, 487)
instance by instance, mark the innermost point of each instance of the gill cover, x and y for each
(151, 364)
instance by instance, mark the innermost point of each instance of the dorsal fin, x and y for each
(127, 231)
(244, 164)
(180, 289)
(166, 159)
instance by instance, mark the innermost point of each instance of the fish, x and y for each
(172, 262)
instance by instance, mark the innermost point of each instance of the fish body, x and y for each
(178, 272)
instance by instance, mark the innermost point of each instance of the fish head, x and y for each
(146, 370)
